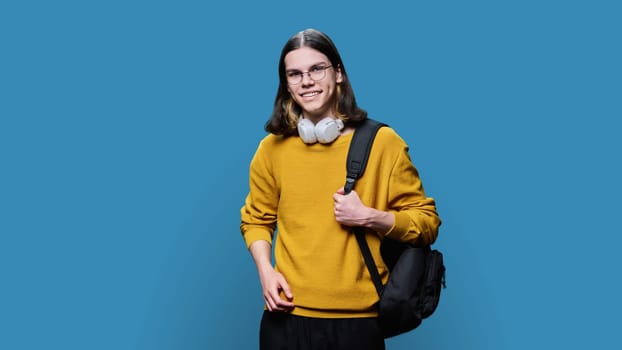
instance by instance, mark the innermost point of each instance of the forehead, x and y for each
(303, 58)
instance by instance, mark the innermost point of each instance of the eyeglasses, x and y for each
(316, 73)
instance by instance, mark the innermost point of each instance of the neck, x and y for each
(316, 118)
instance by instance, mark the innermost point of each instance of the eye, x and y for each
(293, 74)
(317, 69)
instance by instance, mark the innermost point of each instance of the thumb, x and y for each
(341, 191)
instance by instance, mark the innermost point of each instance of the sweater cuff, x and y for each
(256, 234)
(400, 226)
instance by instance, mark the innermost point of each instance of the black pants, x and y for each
(283, 331)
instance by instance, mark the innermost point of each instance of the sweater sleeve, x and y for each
(258, 215)
(416, 219)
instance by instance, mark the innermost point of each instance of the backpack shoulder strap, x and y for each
(360, 147)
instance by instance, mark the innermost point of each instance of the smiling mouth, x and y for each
(310, 94)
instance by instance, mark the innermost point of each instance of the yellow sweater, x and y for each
(291, 187)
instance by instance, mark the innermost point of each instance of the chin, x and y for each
(312, 112)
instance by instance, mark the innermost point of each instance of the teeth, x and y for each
(309, 94)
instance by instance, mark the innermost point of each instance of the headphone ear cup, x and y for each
(328, 129)
(306, 131)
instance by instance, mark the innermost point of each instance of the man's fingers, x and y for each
(269, 303)
(336, 196)
(283, 304)
(274, 301)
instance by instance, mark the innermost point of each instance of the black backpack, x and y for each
(416, 274)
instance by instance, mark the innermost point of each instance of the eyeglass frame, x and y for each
(301, 74)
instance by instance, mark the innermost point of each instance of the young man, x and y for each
(319, 294)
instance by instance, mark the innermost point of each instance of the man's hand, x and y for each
(349, 210)
(272, 282)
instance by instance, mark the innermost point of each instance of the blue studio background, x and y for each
(126, 129)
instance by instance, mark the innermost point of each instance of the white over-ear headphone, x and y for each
(325, 131)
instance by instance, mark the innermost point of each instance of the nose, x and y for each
(306, 79)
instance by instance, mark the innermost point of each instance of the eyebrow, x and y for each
(321, 63)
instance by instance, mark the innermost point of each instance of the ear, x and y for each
(338, 75)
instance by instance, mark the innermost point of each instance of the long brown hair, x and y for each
(285, 114)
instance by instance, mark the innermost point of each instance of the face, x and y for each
(315, 97)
